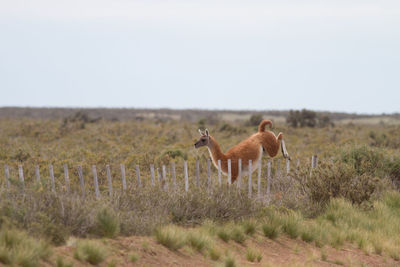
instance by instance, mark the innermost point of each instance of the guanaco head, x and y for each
(204, 139)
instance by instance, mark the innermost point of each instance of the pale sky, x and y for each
(285, 54)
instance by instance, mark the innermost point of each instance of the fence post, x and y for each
(37, 173)
(173, 173)
(219, 172)
(80, 174)
(250, 182)
(229, 172)
(197, 172)
(269, 180)
(7, 174)
(53, 184)
(66, 176)
(21, 176)
(287, 166)
(139, 182)
(164, 178)
(186, 175)
(123, 177)
(152, 174)
(314, 161)
(278, 169)
(110, 189)
(209, 173)
(239, 184)
(96, 182)
(259, 180)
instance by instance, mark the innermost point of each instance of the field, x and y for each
(344, 213)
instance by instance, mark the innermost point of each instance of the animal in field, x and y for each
(251, 148)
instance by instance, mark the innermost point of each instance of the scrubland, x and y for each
(350, 200)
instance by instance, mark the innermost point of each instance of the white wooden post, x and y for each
(173, 174)
(185, 167)
(250, 182)
(110, 189)
(66, 176)
(268, 179)
(139, 182)
(80, 174)
(164, 178)
(197, 173)
(259, 180)
(37, 173)
(96, 182)
(53, 184)
(21, 175)
(123, 177)
(7, 174)
(209, 172)
(219, 172)
(239, 183)
(287, 166)
(229, 172)
(152, 174)
(278, 169)
(314, 161)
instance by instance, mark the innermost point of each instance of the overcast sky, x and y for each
(285, 54)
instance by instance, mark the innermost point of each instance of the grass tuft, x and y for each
(198, 241)
(90, 251)
(230, 261)
(107, 224)
(238, 235)
(215, 253)
(171, 237)
(223, 234)
(249, 227)
(253, 255)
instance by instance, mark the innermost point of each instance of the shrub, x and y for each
(237, 235)
(291, 224)
(253, 255)
(230, 261)
(249, 227)
(337, 180)
(223, 234)
(107, 224)
(90, 251)
(215, 253)
(255, 120)
(271, 229)
(17, 248)
(171, 237)
(198, 241)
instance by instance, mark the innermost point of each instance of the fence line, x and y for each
(162, 176)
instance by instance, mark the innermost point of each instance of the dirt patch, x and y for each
(145, 251)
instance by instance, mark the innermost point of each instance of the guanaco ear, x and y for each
(207, 133)
(201, 134)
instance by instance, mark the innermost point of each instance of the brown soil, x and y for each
(280, 252)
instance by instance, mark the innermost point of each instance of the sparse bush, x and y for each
(249, 227)
(107, 224)
(198, 241)
(215, 253)
(90, 251)
(171, 237)
(237, 235)
(337, 180)
(223, 234)
(255, 120)
(253, 255)
(230, 261)
(17, 248)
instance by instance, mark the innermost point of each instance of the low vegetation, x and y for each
(351, 197)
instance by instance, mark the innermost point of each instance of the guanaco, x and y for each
(251, 148)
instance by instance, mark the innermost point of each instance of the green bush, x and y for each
(338, 180)
(90, 251)
(171, 237)
(107, 223)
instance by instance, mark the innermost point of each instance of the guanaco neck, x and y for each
(215, 151)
